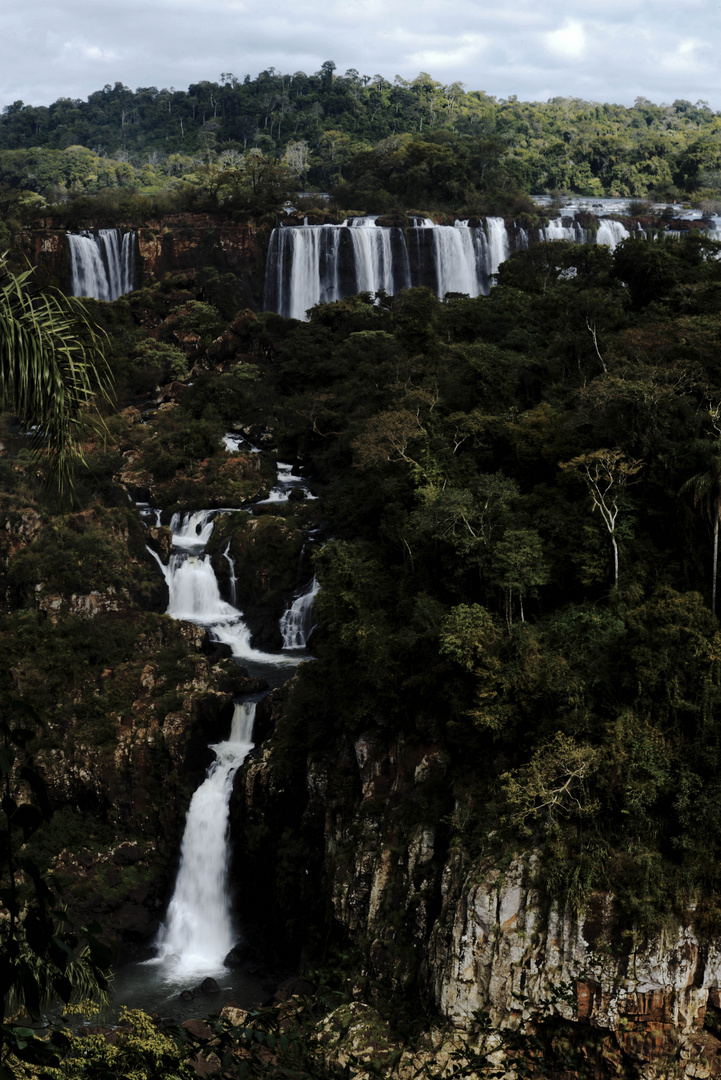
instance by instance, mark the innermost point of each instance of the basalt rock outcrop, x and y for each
(368, 821)
(179, 244)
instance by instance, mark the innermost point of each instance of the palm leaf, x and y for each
(52, 370)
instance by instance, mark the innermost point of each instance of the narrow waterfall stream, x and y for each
(194, 593)
(296, 624)
(198, 932)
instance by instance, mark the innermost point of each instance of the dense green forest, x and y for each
(521, 495)
(522, 491)
(374, 143)
(520, 504)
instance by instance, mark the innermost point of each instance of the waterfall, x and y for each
(296, 624)
(193, 529)
(498, 246)
(313, 264)
(284, 484)
(611, 232)
(102, 265)
(233, 579)
(194, 593)
(456, 262)
(198, 932)
(556, 230)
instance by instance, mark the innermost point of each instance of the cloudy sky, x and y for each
(601, 50)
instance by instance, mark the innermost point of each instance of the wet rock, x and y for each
(294, 987)
(208, 986)
(234, 1014)
(198, 1029)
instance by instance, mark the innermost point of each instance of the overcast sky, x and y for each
(601, 50)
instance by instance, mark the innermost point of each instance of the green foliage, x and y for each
(40, 959)
(51, 368)
(238, 147)
(140, 1052)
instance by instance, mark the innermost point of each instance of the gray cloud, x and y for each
(602, 50)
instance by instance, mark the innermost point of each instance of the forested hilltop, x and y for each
(374, 143)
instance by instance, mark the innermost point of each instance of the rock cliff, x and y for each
(461, 935)
(183, 243)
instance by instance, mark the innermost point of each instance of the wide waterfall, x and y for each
(102, 265)
(198, 932)
(316, 264)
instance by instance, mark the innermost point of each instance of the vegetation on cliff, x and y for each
(520, 493)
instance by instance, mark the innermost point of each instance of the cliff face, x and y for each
(182, 244)
(188, 243)
(459, 933)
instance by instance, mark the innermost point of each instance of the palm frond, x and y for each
(52, 368)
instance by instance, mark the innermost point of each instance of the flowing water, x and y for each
(102, 264)
(199, 930)
(297, 623)
(312, 264)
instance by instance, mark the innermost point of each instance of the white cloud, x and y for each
(568, 42)
(90, 52)
(603, 50)
(685, 57)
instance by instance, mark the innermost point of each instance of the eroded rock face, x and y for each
(182, 243)
(492, 948)
(468, 937)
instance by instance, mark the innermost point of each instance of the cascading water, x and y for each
(193, 529)
(233, 578)
(198, 932)
(284, 484)
(611, 233)
(456, 262)
(296, 624)
(314, 264)
(498, 244)
(102, 265)
(194, 593)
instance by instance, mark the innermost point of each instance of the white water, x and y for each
(198, 932)
(455, 259)
(498, 245)
(611, 232)
(233, 578)
(194, 594)
(102, 265)
(314, 264)
(556, 230)
(193, 529)
(284, 484)
(296, 624)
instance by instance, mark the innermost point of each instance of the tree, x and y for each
(705, 487)
(520, 565)
(41, 959)
(606, 473)
(52, 368)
